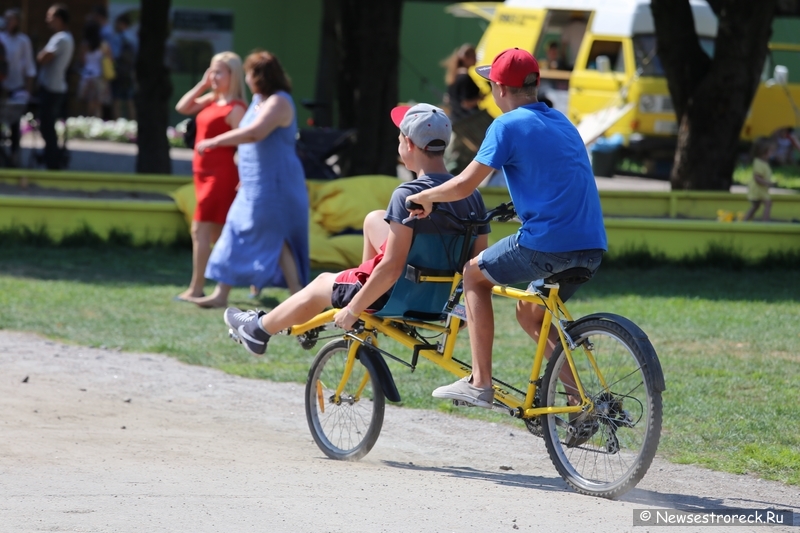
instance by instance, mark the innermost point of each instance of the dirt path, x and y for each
(100, 441)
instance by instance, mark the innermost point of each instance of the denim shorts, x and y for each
(508, 263)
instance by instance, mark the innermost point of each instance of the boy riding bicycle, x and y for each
(424, 134)
(550, 181)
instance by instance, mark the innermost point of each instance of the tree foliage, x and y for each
(711, 96)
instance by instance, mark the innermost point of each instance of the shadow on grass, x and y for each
(106, 265)
(637, 275)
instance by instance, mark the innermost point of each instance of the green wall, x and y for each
(288, 29)
(428, 36)
(291, 30)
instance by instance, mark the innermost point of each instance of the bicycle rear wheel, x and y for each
(607, 451)
(346, 429)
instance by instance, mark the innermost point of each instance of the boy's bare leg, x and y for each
(531, 316)
(480, 317)
(301, 306)
(376, 231)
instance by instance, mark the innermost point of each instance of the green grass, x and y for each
(727, 339)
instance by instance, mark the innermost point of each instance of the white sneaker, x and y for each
(463, 391)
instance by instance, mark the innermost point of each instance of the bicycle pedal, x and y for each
(462, 403)
(234, 336)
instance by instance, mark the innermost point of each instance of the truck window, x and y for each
(647, 62)
(611, 49)
(560, 38)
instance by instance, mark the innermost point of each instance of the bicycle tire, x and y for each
(616, 442)
(346, 430)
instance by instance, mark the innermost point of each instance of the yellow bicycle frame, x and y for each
(442, 354)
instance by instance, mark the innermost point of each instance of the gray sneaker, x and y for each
(245, 329)
(463, 391)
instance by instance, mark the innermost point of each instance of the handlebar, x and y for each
(502, 213)
(413, 205)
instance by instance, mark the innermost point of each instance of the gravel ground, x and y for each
(101, 441)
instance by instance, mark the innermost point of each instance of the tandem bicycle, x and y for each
(596, 402)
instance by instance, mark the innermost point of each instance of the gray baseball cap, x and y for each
(424, 124)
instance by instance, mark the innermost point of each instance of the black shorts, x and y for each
(347, 285)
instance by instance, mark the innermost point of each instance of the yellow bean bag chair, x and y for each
(186, 200)
(341, 205)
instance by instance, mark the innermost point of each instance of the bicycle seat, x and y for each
(572, 276)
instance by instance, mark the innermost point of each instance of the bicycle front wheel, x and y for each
(344, 428)
(604, 452)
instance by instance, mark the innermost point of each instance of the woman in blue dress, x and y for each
(264, 241)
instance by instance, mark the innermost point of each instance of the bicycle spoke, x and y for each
(346, 429)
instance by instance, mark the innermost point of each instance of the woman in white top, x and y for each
(93, 88)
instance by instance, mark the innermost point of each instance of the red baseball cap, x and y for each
(510, 67)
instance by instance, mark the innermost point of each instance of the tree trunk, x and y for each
(327, 61)
(711, 96)
(368, 49)
(154, 89)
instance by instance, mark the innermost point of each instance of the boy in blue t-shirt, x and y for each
(551, 183)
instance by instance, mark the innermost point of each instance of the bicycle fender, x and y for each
(640, 337)
(377, 366)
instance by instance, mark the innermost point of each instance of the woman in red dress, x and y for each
(218, 102)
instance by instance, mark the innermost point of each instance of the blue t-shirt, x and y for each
(549, 179)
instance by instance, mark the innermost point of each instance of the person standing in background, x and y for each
(21, 72)
(785, 143)
(99, 14)
(218, 102)
(758, 188)
(463, 94)
(54, 60)
(461, 101)
(93, 88)
(264, 242)
(122, 86)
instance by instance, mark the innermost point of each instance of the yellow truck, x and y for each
(599, 67)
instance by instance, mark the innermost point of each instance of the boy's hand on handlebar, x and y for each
(344, 319)
(417, 207)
